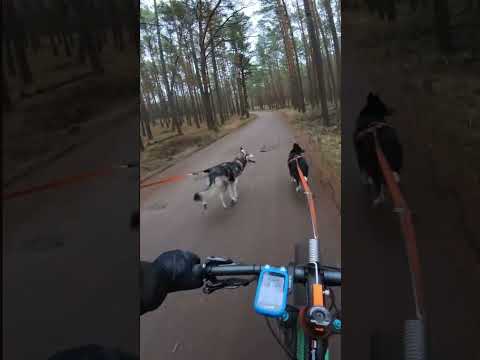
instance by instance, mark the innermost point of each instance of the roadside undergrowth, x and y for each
(322, 145)
(167, 148)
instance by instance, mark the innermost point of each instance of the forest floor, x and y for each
(437, 103)
(323, 147)
(167, 147)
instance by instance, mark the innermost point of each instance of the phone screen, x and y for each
(270, 294)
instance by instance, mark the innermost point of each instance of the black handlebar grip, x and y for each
(332, 278)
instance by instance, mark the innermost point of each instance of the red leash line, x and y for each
(164, 181)
(311, 204)
(67, 181)
(408, 229)
(57, 184)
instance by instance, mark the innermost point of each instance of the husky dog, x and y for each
(223, 178)
(370, 120)
(296, 154)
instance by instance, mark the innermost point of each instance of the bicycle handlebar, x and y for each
(330, 277)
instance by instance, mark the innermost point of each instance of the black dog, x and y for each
(296, 154)
(372, 119)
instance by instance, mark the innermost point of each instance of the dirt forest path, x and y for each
(262, 228)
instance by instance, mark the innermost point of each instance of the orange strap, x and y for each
(311, 204)
(317, 298)
(407, 227)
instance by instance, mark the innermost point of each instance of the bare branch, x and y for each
(209, 20)
(226, 20)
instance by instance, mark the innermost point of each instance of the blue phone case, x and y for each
(266, 312)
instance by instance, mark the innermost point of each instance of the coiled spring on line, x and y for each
(313, 253)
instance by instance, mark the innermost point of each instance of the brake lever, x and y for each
(232, 283)
(215, 261)
(208, 288)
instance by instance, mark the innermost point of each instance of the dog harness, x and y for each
(295, 158)
(233, 169)
(371, 129)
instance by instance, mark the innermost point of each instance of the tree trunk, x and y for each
(289, 54)
(331, 72)
(245, 94)
(317, 60)
(301, 95)
(333, 30)
(228, 89)
(88, 43)
(217, 85)
(171, 100)
(307, 50)
(197, 75)
(145, 117)
(236, 101)
(211, 123)
(193, 105)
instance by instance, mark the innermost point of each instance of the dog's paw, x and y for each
(298, 188)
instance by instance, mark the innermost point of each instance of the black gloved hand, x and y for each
(175, 268)
(170, 272)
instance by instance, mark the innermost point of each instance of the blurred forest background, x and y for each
(424, 58)
(60, 61)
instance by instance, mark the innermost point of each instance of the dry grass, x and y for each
(167, 147)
